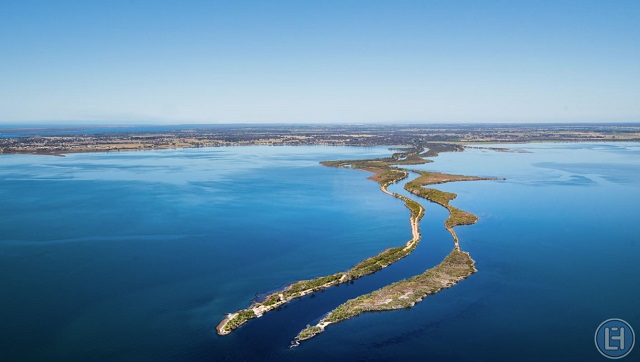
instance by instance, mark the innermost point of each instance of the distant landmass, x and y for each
(61, 140)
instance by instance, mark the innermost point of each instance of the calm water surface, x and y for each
(137, 255)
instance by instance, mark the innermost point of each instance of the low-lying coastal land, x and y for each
(64, 140)
(456, 217)
(385, 172)
(457, 266)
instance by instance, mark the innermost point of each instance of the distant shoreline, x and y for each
(84, 141)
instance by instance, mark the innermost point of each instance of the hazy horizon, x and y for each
(127, 124)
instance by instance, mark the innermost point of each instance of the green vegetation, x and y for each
(459, 217)
(309, 332)
(403, 294)
(271, 300)
(389, 176)
(375, 263)
(433, 178)
(365, 267)
(313, 284)
(416, 208)
(456, 216)
(239, 319)
(435, 148)
(433, 195)
(385, 172)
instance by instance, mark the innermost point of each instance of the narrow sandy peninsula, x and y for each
(403, 294)
(457, 266)
(385, 172)
(384, 175)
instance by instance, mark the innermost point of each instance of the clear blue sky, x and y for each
(319, 61)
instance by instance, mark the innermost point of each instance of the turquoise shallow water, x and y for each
(137, 255)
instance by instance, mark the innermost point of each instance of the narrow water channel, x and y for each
(281, 326)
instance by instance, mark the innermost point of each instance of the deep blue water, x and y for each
(137, 255)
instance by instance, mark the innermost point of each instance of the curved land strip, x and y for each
(456, 217)
(457, 266)
(384, 174)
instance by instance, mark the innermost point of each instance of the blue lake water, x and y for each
(138, 255)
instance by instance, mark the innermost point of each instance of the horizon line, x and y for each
(89, 124)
